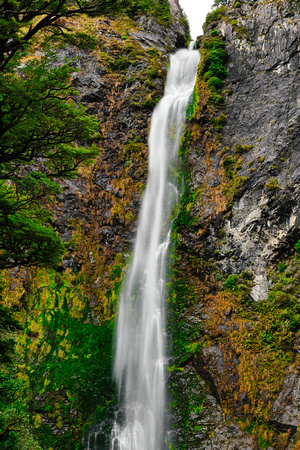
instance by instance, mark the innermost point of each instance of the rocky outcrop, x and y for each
(262, 108)
(244, 225)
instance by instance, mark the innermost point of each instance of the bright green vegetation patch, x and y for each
(218, 122)
(66, 363)
(15, 427)
(214, 56)
(272, 185)
(188, 196)
(160, 10)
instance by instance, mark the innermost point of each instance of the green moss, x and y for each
(261, 159)
(272, 185)
(214, 16)
(159, 10)
(214, 83)
(66, 358)
(212, 67)
(240, 149)
(263, 335)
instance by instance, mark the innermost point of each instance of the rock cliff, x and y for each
(238, 243)
(234, 311)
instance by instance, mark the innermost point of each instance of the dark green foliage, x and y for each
(242, 282)
(228, 165)
(214, 16)
(21, 20)
(14, 419)
(231, 281)
(39, 120)
(281, 267)
(216, 70)
(24, 238)
(191, 106)
(216, 99)
(240, 149)
(297, 246)
(219, 122)
(215, 43)
(121, 63)
(213, 71)
(39, 125)
(214, 83)
(160, 10)
(78, 39)
(272, 185)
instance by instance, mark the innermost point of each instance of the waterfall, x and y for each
(140, 342)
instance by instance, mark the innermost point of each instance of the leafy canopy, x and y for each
(21, 20)
(40, 125)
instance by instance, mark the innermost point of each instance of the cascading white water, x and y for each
(140, 343)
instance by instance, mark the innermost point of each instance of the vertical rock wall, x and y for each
(237, 265)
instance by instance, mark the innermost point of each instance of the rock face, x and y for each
(235, 317)
(244, 227)
(263, 111)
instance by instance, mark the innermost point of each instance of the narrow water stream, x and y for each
(140, 358)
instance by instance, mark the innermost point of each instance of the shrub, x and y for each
(237, 5)
(230, 283)
(216, 70)
(214, 83)
(219, 122)
(228, 164)
(281, 267)
(216, 99)
(121, 63)
(214, 16)
(213, 43)
(240, 149)
(272, 185)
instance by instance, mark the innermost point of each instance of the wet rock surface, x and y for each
(261, 226)
(211, 429)
(263, 111)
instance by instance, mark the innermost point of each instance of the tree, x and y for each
(40, 122)
(44, 134)
(21, 20)
(40, 128)
(40, 125)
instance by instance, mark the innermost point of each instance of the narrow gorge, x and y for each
(231, 327)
